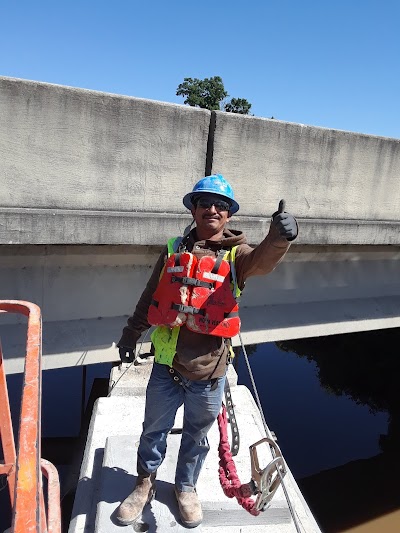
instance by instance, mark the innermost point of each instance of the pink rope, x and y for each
(228, 476)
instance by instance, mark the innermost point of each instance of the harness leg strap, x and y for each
(232, 419)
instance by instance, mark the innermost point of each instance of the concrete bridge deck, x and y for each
(91, 188)
(91, 341)
(109, 469)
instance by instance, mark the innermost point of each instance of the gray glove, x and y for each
(284, 222)
(127, 355)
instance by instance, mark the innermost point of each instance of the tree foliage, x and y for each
(238, 105)
(207, 93)
(210, 93)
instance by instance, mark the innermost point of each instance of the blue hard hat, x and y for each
(215, 184)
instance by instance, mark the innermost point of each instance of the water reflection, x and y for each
(335, 408)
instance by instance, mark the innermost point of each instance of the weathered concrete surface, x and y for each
(322, 173)
(91, 282)
(50, 226)
(84, 167)
(91, 341)
(108, 470)
(73, 149)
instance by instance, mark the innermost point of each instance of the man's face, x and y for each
(211, 213)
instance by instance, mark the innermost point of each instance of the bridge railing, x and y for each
(24, 467)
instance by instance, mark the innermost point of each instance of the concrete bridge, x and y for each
(91, 187)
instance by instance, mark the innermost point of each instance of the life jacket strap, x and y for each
(231, 315)
(218, 261)
(192, 281)
(177, 259)
(187, 309)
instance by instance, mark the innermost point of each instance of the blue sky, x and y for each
(325, 63)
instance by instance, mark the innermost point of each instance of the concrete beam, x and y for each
(91, 341)
(322, 173)
(75, 149)
(86, 167)
(85, 291)
(58, 226)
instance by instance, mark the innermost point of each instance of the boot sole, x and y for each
(191, 524)
(133, 520)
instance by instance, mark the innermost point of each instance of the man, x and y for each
(191, 296)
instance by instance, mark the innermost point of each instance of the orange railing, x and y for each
(24, 469)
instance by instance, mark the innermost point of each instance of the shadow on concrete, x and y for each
(115, 484)
(118, 484)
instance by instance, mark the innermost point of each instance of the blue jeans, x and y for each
(201, 408)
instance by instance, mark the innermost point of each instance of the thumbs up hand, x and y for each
(284, 222)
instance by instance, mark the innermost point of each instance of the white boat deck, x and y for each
(108, 470)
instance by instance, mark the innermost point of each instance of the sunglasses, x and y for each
(206, 202)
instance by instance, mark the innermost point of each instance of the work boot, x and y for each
(131, 508)
(189, 508)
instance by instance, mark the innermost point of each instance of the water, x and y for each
(335, 410)
(65, 394)
(316, 429)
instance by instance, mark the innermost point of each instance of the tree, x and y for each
(238, 105)
(209, 94)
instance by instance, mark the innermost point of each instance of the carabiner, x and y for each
(266, 480)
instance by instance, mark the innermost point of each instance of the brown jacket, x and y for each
(202, 356)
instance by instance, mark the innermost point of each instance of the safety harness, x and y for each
(264, 481)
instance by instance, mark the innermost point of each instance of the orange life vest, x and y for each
(196, 292)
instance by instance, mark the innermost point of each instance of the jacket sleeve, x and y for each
(137, 323)
(263, 258)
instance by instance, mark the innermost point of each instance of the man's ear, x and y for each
(193, 210)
